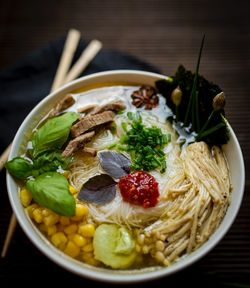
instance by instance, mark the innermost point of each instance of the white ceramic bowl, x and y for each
(232, 150)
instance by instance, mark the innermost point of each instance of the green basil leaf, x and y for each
(50, 161)
(19, 167)
(53, 134)
(51, 190)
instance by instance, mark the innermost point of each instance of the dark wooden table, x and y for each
(164, 33)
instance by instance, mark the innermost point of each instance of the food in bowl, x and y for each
(128, 177)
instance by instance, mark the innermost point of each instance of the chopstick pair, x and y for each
(62, 77)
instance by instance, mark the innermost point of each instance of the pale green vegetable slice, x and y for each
(114, 246)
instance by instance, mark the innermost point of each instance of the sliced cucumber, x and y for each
(114, 246)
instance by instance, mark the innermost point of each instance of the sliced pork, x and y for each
(77, 143)
(90, 122)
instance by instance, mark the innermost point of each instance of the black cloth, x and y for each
(30, 80)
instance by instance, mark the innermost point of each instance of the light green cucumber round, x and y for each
(114, 246)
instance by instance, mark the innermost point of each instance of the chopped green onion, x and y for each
(145, 144)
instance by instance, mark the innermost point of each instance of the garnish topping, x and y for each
(51, 190)
(139, 188)
(197, 105)
(145, 96)
(114, 163)
(144, 144)
(100, 189)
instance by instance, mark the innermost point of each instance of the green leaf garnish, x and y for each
(19, 167)
(144, 144)
(53, 134)
(50, 161)
(51, 190)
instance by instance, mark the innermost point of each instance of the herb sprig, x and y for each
(144, 144)
(191, 98)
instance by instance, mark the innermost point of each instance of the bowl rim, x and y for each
(73, 266)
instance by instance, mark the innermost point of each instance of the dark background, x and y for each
(165, 34)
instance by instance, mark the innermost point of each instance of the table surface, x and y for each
(164, 33)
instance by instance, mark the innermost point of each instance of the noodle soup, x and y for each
(113, 183)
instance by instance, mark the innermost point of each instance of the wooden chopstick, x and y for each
(69, 49)
(10, 232)
(87, 55)
(81, 64)
(4, 156)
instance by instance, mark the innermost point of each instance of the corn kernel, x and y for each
(64, 220)
(87, 255)
(59, 239)
(30, 209)
(87, 230)
(70, 229)
(92, 262)
(50, 220)
(88, 248)
(51, 230)
(37, 215)
(60, 227)
(72, 249)
(72, 189)
(71, 236)
(25, 197)
(46, 212)
(43, 227)
(89, 259)
(81, 211)
(79, 240)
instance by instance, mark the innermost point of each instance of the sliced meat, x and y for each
(65, 103)
(77, 143)
(90, 151)
(87, 108)
(114, 106)
(91, 122)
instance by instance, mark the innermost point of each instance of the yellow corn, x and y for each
(60, 227)
(88, 248)
(43, 227)
(37, 215)
(79, 240)
(25, 197)
(71, 236)
(30, 209)
(72, 189)
(51, 219)
(87, 230)
(81, 211)
(92, 262)
(64, 220)
(46, 212)
(51, 230)
(70, 229)
(72, 249)
(89, 259)
(59, 239)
